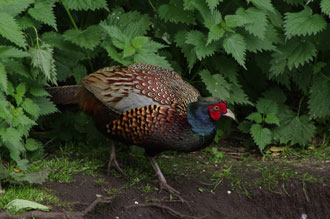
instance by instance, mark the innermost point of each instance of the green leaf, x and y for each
(20, 92)
(325, 7)
(174, 12)
(88, 38)
(139, 41)
(32, 178)
(12, 52)
(84, 5)
(275, 94)
(266, 106)
(30, 107)
(187, 49)
(261, 136)
(303, 23)
(10, 30)
(254, 44)
(14, 7)
(43, 12)
(257, 21)
(235, 20)
(255, 117)
(271, 118)
(79, 72)
(234, 44)
(18, 205)
(38, 92)
(198, 40)
(32, 144)
(42, 58)
(119, 39)
(3, 78)
(245, 126)
(215, 84)
(213, 3)
(295, 2)
(215, 33)
(45, 105)
(263, 4)
(12, 136)
(295, 129)
(319, 98)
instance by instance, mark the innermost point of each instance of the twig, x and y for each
(57, 215)
(169, 210)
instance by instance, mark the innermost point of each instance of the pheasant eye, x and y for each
(216, 108)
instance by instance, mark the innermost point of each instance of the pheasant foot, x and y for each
(162, 181)
(113, 161)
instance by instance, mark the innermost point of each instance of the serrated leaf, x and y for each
(254, 44)
(12, 136)
(263, 4)
(303, 53)
(20, 92)
(12, 52)
(187, 49)
(175, 13)
(32, 144)
(261, 136)
(198, 40)
(88, 38)
(245, 126)
(303, 23)
(212, 4)
(152, 58)
(139, 41)
(234, 44)
(10, 30)
(235, 20)
(38, 92)
(3, 78)
(18, 205)
(255, 117)
(257, 21)
(30, 107)
(79, 72)
(275, 94)
(46, 106)
(42, 58)
(14, 7)
(266, 106)
(295, 129)
(215, 84)
(43, 12)
(119, 39)
(271, 118)
(319, 98)
(325, 7)
(215, 33)
(85, 5)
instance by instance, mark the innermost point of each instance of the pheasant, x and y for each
(148, 106)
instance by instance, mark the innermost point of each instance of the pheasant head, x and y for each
(203, 114)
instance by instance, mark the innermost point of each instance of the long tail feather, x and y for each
(65, 94)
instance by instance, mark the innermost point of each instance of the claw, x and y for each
(113, 161)
(162, 181)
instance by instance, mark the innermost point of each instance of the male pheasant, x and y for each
(148, 106)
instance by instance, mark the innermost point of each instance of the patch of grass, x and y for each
(61, 168)
(214, 155)
(147, 188)
(112, 191)
(236, 181)
(31, 193)
(99, 182)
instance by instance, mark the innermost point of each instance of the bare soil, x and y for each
(295, 198)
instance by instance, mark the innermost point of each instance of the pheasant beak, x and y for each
(230, 114)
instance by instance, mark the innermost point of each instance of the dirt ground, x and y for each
(296, 199)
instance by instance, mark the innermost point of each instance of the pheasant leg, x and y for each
(113, 161)
(162, 181)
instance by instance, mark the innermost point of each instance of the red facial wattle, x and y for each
(216, 110)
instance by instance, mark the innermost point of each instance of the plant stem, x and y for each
(37, 37)
(70, 16)
(299, 108)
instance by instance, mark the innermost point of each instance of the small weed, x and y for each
(112, 191)
(147, 189)
(214, 155)
(99, 182)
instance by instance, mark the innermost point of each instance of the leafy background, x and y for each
(269, 60)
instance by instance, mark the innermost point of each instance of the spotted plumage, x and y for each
(151, 107)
